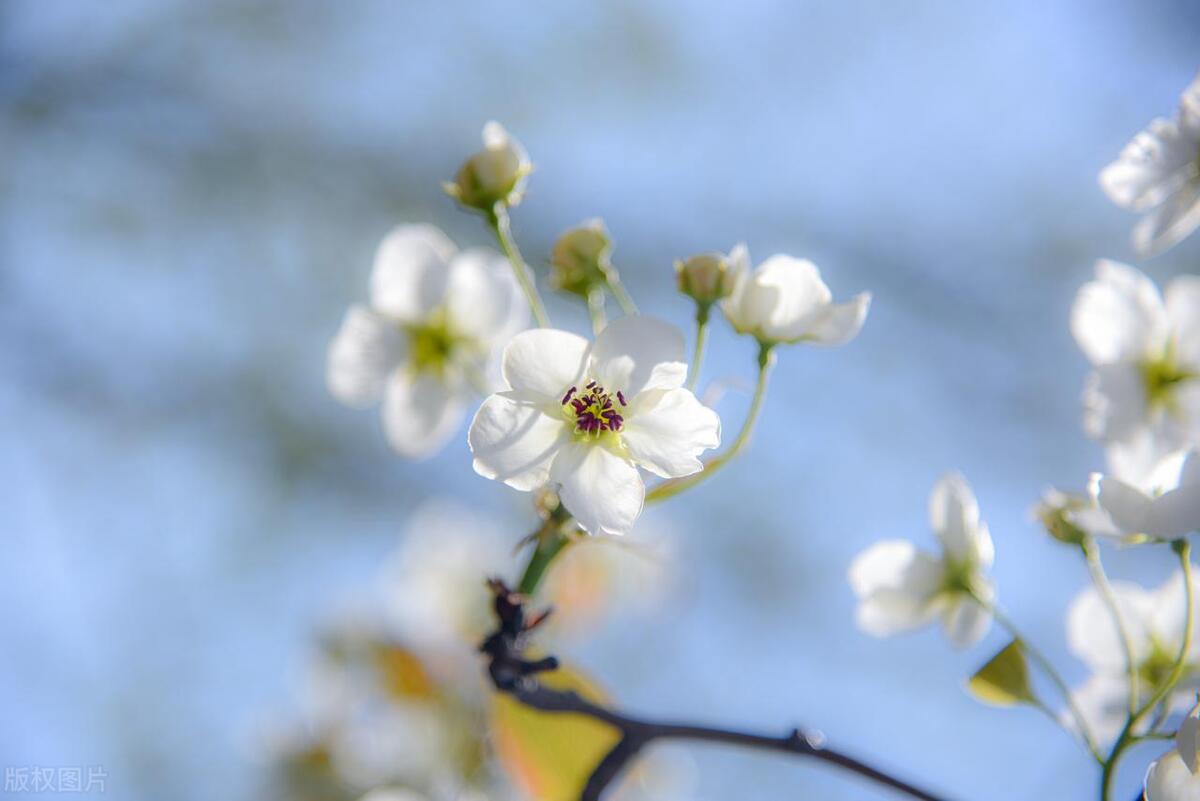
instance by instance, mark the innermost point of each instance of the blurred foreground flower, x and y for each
(424, 342)
(1154, 621)
(785, 301)
(1164, 504)
(584, 417)
(1175, 776)
(900, 588)
(1146, 355)
(1158, 172)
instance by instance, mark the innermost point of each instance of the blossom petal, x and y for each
(954, 516)
(1168, 779)
(542, 363)
(1114, 402)
(1103, 701)
(1127, 505)
(1188, 743)
(667, 430)
(483, 298)
(1168, 611)
(1117, 317)
(1183, 312)
(965, 621)
(420, 413)
(841, 322)
(895, 584)
(515, 442)
(604, 492)
(365, 350)
(638, 353)
(1149, 167)
(409, 277)
(1092, 635)
(801, 297)
(1171, 222)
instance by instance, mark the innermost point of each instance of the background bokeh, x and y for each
(191, 194)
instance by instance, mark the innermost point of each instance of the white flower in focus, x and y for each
(1146, 355)
(1164, 503)
(584, 417)
(900, 588)
(785, 300)
(1158, 172)
(1154, 620)
(423, 343)
(496, 174)
(1175, 776)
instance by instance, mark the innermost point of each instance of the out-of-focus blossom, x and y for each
(1165, 503)
(1175, 776)
(1154, 621)
(708, 277)
(424, 341)
(585, 417)
(785, 300)
(1158, 173)
(580, 259)
(1146, 355)
(900, 588)
(496, 174)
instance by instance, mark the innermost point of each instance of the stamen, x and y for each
(567, 397)
(593, 409)
(621, 397)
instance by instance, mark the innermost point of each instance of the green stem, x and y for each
(595, 304)
(618, 289)
(702, 310)
(499, 222)
(1100, 579)
(1127, 738)
(549, 542)
(672, 487)
(1047, 668)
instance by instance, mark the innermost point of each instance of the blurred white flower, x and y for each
(900, 588)
(1154, 621)
(423, 344)
(496, 174)
(1175, 776)
(1146, 355)
(1163, 503)
(1158, 172)
(785, 300)
(585, 418)
(393, 794)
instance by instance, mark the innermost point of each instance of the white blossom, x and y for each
(1175, 776)
(424, 341)
(785, 300)
(1163, 503)
(901, 588)
(585, 417)
(1154, 621)
(1145, 352)
(1158, 173)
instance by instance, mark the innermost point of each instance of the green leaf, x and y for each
(1004, 680)
(550, 756)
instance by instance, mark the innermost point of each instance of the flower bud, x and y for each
(494, 175)
(705, 278)
(579, 260)
(1056, 512)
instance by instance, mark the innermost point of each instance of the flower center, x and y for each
(1160, 377)
(433, 343)
(594, 409)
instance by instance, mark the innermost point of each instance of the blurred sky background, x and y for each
(191, 194)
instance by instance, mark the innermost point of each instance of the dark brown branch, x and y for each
(515, 675)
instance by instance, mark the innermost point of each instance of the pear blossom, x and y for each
(1145, 351)
(585, 417)
(496, 174)
(1165, 503)
(1154, 621)
(1158, 172)
(1175, 776)
(901, 588)
(785, 300)
(425, 340)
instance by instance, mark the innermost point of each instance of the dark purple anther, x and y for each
(621, 397)
(567, 397)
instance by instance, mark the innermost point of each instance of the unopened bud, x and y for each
(1056, 512)
(496, 174)
(579, 260)
(705, 278)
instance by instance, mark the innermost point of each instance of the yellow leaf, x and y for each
(1004, 680)
(549, 756)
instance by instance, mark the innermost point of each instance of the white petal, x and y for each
(542, 363)
(366, 349)
(1127, 505)
(1092, 635)
(637, 353)
(1183, 312)
(1168, 611)
(1175, 513)
(1149, 167)
(604, 492)
(896, 585)
(1187, 742)
(954, 516)
(420, 413)
(515, 442)
(482, 297)
(1169, 779)
(841, 322)
(1119, 316)
(1114, 402)
(965, 622)
(1103, 700)
(410, 275)
(1171, 222)
(667, 430)
(800, 296)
